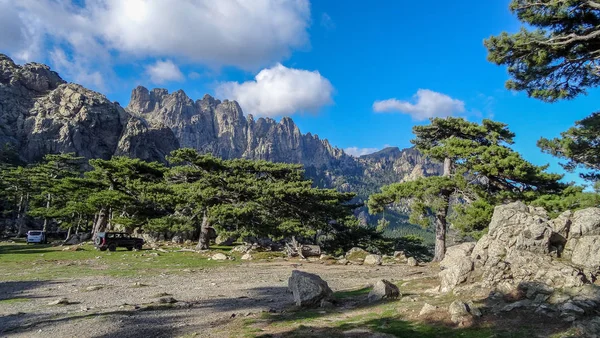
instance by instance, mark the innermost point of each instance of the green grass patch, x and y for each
(31, 262)
(352, 293)
(14, 300)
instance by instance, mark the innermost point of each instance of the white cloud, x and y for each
(242, 33)
(279, 91)
(194, 75)
(164, 71)
(357, 152)
(76, 70)
(427, 104)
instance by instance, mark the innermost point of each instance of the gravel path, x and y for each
(207, 300)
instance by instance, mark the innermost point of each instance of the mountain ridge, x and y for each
(40, 113)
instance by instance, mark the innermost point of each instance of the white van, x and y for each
(36, 236)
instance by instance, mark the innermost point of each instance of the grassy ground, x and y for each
(19, 261)
(354, 317)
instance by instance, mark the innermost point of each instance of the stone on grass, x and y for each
(308, 289)
(343, 261)
(459, 312)
(427, 309)
(94, 288)
(383, 289)
(219, 257)
(372, 260)
(247, 257)
(356, 255)
(60, 301)
(411, 261)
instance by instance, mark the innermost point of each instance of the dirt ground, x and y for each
(204, 303)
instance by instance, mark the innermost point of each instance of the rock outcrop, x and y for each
(524, 245)
(40, 114)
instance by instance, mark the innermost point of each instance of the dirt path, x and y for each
(207, 300)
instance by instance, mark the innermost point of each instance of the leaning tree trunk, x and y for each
(204, 240)
(101, 222)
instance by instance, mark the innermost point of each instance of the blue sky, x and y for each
(416, 59)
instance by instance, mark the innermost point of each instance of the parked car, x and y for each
(36, 236)
(114, 240)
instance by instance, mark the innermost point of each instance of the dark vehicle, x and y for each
(113, 240)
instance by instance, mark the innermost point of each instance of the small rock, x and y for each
(247, 257)
(571, 308)
(94, 288)
(326, 304)
(411, 261)
(343, 261)
(325, 257)
(459, 311)
(516, 305)
(383, 289)
(154, 254)
(219, 257)
(427, 309)
(61, 301)
(372, 259)
(167, 300)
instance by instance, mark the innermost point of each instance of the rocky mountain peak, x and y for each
(40, 114)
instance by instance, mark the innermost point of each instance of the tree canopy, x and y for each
(556, 54)
(480, 171)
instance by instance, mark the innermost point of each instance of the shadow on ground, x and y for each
(354, 317)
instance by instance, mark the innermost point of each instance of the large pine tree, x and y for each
(479, 170)
(556, 55)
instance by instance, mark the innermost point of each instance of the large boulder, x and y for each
(356, 255)
(456, 266)
(308, 289)
(584, 251)
(383, 289)
(585, 222)
(524, 245)
(373, 259)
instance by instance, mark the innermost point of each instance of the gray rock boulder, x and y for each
(383, 289)
(456, 266)
(411, 261)
(459, 312)
(585, 222)
(372, 259)
(356, 255)
(308, 289)
(219, 257)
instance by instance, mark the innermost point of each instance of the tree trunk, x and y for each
(204, 240)
(21, 215)
(101, 222)
(447, 167)
(45, 228)
(78, 225)
(68, 233)
(440, 230)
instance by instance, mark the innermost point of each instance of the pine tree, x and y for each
(480, 170)
(556, 56)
